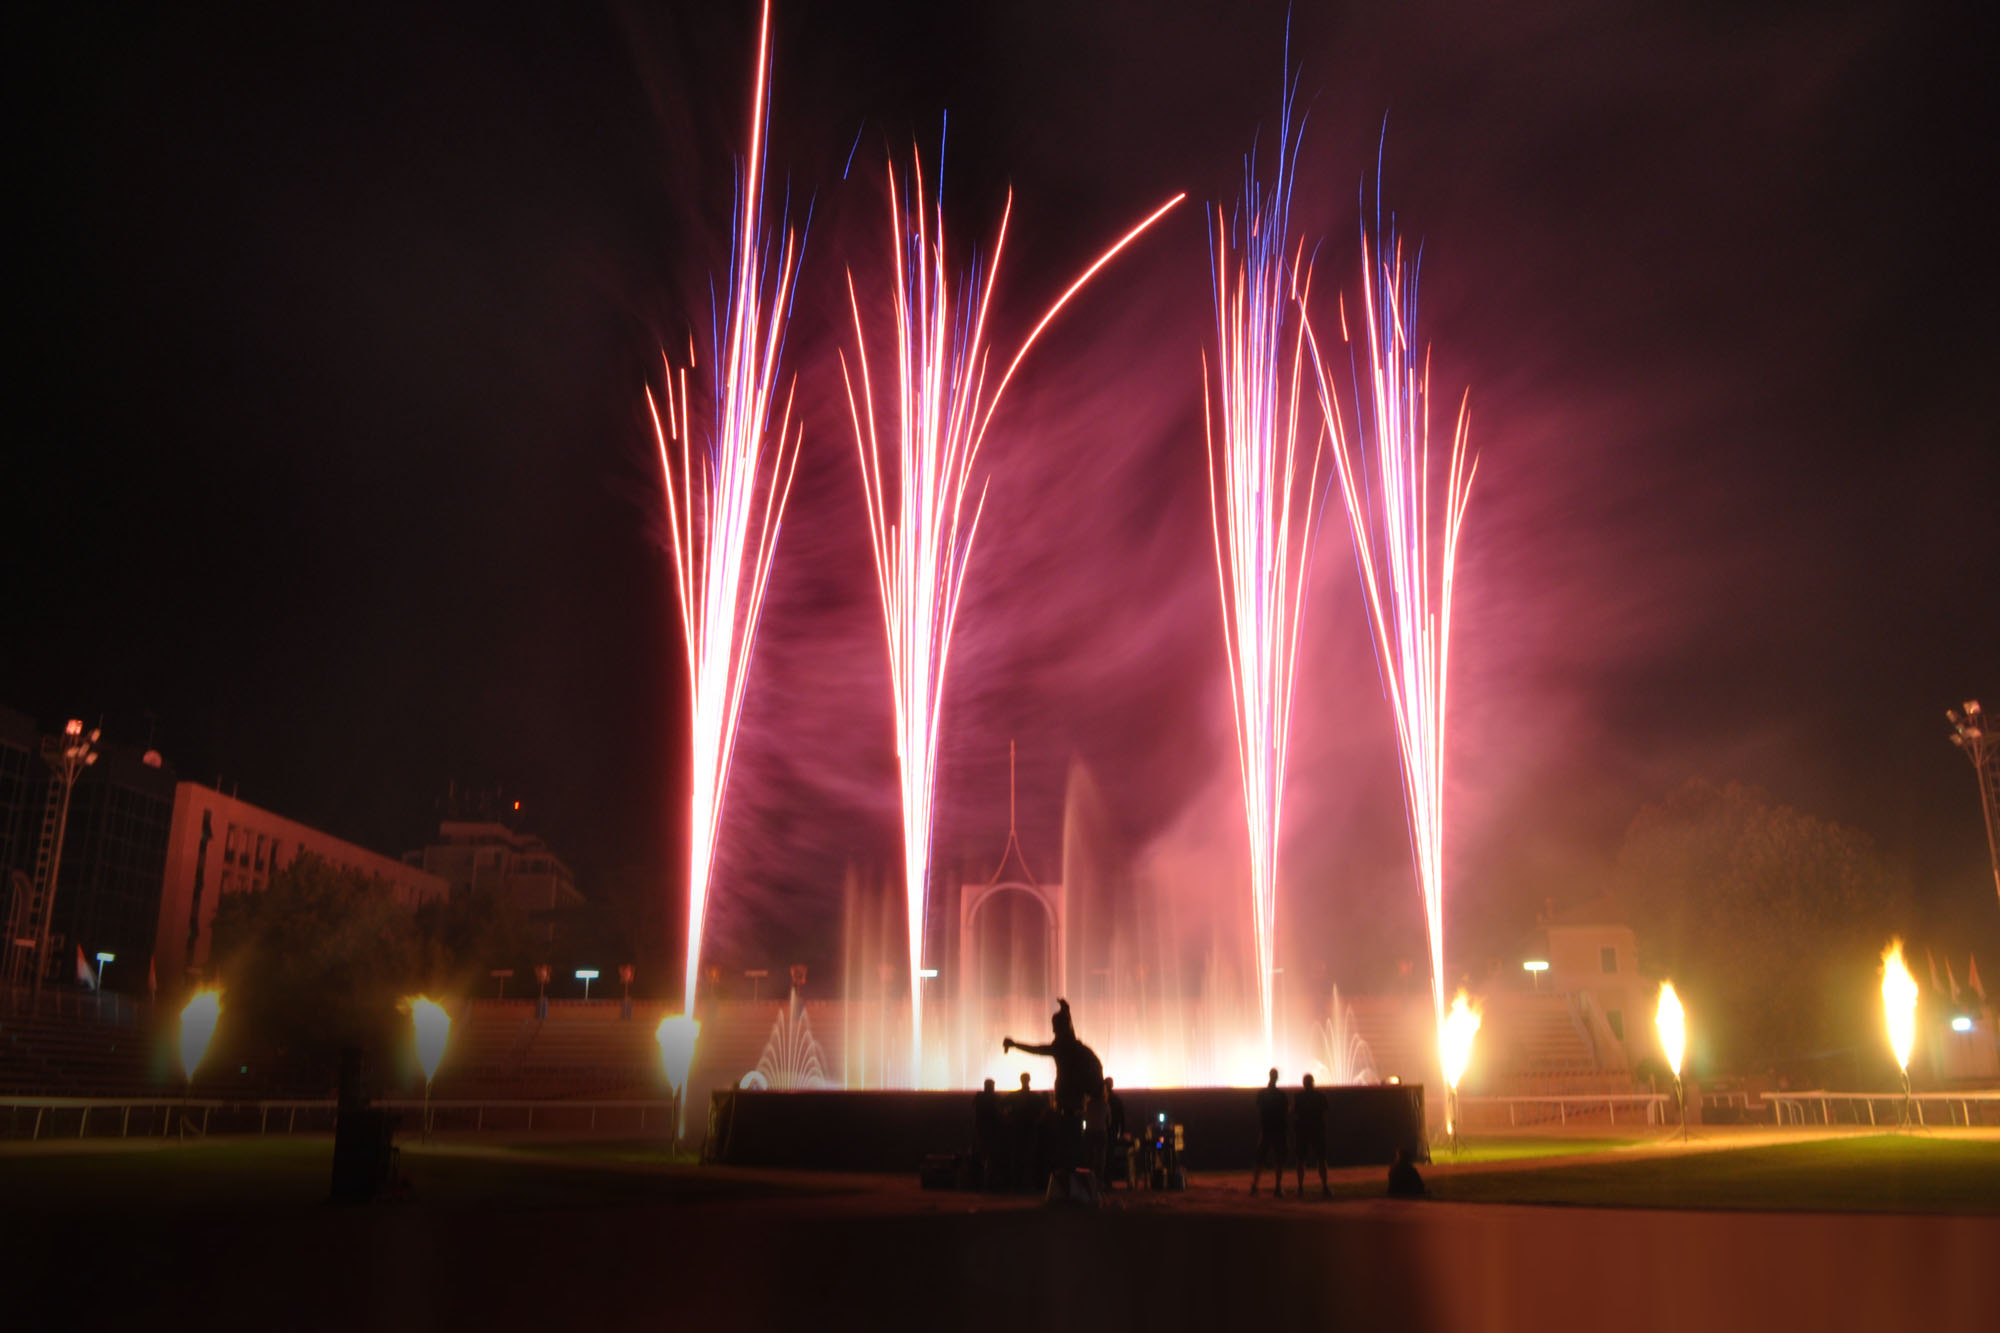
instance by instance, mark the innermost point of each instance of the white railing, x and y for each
(159, 1115)
(1790, 1108)
(1578, 1104)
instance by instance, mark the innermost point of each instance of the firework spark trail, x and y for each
(922, 540)
(1406, 567)
(1262, 516)
(724, 507)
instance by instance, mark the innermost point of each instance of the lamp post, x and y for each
(1970, 734)
(1534, 967)
(103, 958)
(67, 758)
(586, 975)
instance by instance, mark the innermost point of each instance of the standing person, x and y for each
(1025, 1109)
(1271, 1109)
(986, 1133)
(1079, 1087)
(1114, 1132)
(1079, 1073)
(1309, 1132)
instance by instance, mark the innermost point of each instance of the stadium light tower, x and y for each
(68, 756)
(1971, 735)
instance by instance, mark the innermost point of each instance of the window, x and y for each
(1617, 1022)
(261, 845)
(1607, 959)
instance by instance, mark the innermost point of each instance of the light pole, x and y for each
(586, 975)
(1970, 734)
(67, 758)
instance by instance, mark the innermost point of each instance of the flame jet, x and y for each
(1262, 516)
(1404, 552)
(922, 538)
(725, 499)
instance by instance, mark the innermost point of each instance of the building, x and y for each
(220, 844)
(486, 856)
(1591, 952)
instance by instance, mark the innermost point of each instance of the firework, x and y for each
(1264, 506)
(922, 537)
(1405, 553)
(725, 499)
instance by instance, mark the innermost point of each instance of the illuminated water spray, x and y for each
(1262, 507)
(725, 499)
(1406, 548)
(921, 536)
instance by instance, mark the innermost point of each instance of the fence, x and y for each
(1540, 1110)
(1790, 1108)
(72, 1117)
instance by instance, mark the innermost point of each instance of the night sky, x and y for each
(334, 476)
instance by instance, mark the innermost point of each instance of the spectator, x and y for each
(1309, 1132)
(1271, 1137)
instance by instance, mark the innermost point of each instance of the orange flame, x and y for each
(1899, 1003)
(1671, 1020)
(1455, 1039)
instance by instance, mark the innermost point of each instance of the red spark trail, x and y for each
(1406, 560)
(724, 507)
(1262, 511)
(922, 539)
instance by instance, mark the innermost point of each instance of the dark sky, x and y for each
(333, 466)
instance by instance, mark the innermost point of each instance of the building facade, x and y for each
(486, 856)
(221, 844)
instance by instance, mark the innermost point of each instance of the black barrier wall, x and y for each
(893, 1131)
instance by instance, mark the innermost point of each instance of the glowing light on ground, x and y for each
(1899, 1004)
(922, 537)
(1405, 553)
(725, 499)
(432, 1026)
(1671, 1020)
(198, 1019)
(1262, 510)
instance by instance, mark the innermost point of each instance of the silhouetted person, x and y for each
(988, 1136)
(1114, 1107)
(1026, 1109)
(1404, 1182)
(1309, 1132)
(1114, 1132)
(1271, 1136)
(1079, 1073)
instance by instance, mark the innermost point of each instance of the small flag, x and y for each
(1972, 976)
(84, 975)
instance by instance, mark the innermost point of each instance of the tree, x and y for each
(319, 959)
(1770, 921)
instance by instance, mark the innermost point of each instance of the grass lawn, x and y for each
(1474, 1149)
(1877, 1173)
